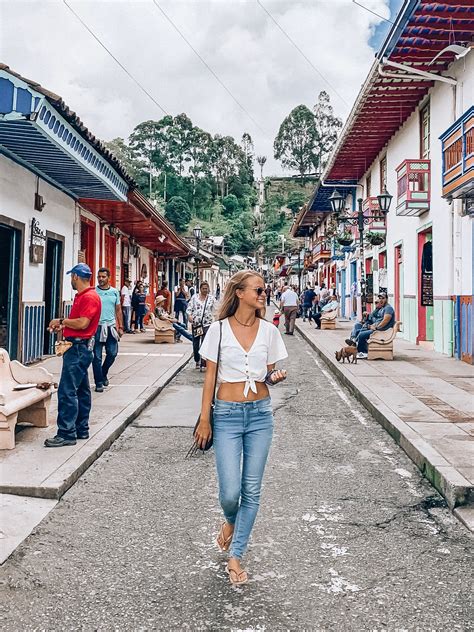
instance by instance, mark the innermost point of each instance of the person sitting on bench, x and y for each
(384, 319)
(162, 314)
(330, 306)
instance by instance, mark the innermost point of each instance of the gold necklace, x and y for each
(243, 324)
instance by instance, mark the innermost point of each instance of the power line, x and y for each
(373, 12)
(98, 40)
(301, 52)
(203, 61)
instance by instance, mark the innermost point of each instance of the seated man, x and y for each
(367, 320)
(328, 307)
(384, 319)
(163, 315)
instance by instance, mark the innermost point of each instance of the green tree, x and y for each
(177, 211)
(295, 201)
(231, 205)
(328, 127)
(296, 142)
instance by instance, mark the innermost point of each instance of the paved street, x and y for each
(350, 536)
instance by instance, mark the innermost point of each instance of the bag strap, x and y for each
(217, 363)
(204, 310)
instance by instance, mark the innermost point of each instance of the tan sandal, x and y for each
(227, 541)
(237, 578)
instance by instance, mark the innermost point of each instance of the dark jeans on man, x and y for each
(307, 311)
(74, 393)
(197, 342)
(111, 350)
(180, 307)
(127, 313)
(362, 338)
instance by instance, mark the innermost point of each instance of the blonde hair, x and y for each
(230, 300)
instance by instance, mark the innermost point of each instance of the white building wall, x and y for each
(17, 194)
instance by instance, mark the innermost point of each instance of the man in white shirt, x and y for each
(289, 306)
(126, 297)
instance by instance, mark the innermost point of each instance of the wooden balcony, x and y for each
(371, 206)
(413, 187)
(321, 251)
(458, 157)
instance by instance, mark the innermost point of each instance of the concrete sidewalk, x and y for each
(33, 478)
(423, 399)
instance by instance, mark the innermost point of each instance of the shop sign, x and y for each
(37, 241)
(427, 289)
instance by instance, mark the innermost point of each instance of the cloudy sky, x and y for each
(265, 73)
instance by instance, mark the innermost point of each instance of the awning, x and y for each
(38, 131)
(138, 218)
(421, 33)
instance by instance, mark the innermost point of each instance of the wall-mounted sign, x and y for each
(427, 289)
(37, 241)
(144, 271)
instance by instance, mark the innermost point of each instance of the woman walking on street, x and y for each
(181, 298)
(201, 316)
(139, 306)
(243, 419)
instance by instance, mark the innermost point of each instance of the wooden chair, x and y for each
(381, 343)
(328, 319)
(30, 405)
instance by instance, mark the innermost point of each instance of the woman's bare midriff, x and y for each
(234, 392)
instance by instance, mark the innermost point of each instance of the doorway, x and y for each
(425, 288)
(10, 260)
(88, 236)
(398, 289)
(111, 257)
(53, 274)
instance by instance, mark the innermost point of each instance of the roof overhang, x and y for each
(423, 30)
(49, 140)
(138, 218)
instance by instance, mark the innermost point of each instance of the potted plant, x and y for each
(345, 239)
(376, 239)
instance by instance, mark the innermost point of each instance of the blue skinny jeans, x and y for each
(101, 370)
(242, 437)
(182, 331)
(74, 393)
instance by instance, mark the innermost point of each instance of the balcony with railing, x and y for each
(371, 207)
(413, 187)
(458, 157)
(321, 251)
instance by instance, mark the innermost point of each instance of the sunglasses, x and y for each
(259, 290)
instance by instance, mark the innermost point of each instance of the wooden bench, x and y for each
(30, 405)
(164, 332)
(381, 343)
(328, 319)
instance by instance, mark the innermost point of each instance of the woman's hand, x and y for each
(278, 376)
(203, 433)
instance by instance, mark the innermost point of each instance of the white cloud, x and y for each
(44, 41)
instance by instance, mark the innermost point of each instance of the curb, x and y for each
(67, 474)
(456, 490)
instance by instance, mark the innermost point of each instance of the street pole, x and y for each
(299, 272)
(197, 266)
(360, 226)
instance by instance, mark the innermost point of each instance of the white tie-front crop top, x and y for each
(238, 365)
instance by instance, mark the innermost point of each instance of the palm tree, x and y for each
(261, 161)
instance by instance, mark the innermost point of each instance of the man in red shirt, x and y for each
(74, 393)
(164, 291)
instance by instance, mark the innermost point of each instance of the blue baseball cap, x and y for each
(82, 270)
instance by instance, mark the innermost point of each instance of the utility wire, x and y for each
(318, 72)
(203, 61)
(98, 40)
(373, 12)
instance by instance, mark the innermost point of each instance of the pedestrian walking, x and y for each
(139, 306)
(246, 348)
(309, 296)
(74, 393)
(181, 298)
(268, 293)
(201, 316)
(289, 306)
(126, 297)
(109, 332)
(218, 292)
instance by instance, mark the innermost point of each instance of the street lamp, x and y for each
(197, 236)
(360, 220)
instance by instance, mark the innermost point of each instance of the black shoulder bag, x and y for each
(198, 330)
(194, 448)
